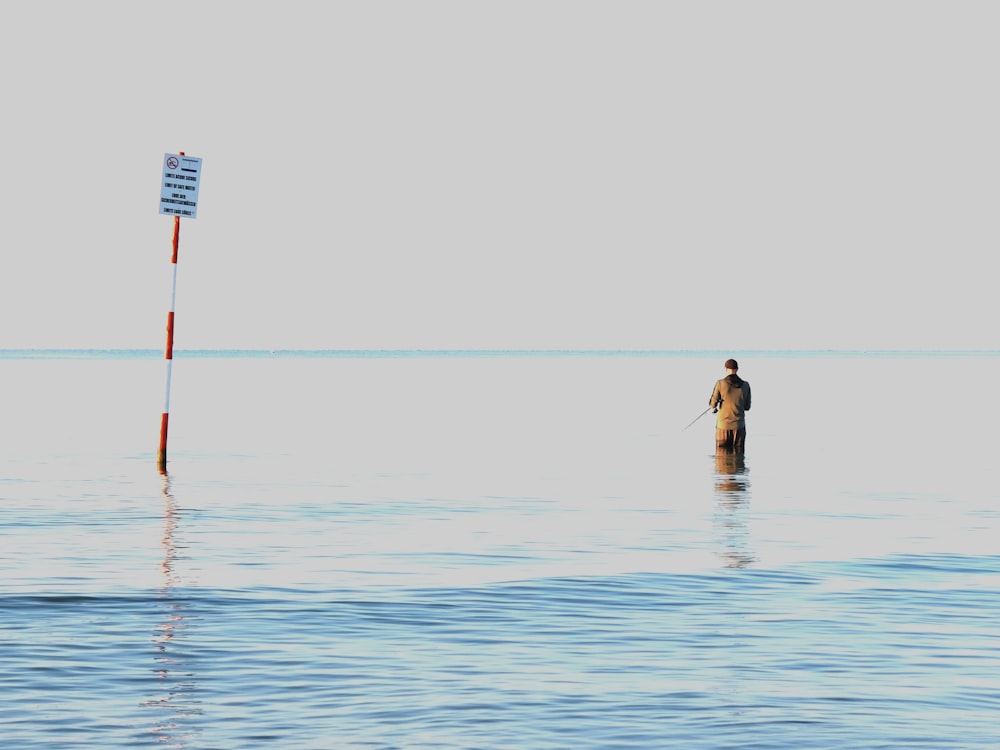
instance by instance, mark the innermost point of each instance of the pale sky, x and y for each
(655, 175)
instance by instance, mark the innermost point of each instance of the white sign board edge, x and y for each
(179, 187)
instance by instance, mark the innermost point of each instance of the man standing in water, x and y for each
(730, 400)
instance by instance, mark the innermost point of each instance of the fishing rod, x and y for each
(698, 417)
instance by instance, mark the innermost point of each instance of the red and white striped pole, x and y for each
(161, 456)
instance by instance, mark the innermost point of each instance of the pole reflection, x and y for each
(732, 495)
(176, 699)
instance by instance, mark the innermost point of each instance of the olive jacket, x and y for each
(731, 397)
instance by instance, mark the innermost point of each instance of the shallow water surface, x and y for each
(449, 551)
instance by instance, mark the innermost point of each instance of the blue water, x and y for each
(497, 550)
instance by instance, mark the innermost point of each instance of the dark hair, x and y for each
(731, 364)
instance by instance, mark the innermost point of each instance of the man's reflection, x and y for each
(732, 490)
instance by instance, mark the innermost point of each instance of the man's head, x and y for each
(731, 365)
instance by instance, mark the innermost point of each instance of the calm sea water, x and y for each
(446, 550)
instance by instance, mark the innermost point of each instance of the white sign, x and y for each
(179, 193)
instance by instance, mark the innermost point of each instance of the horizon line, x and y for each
(143, 351)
